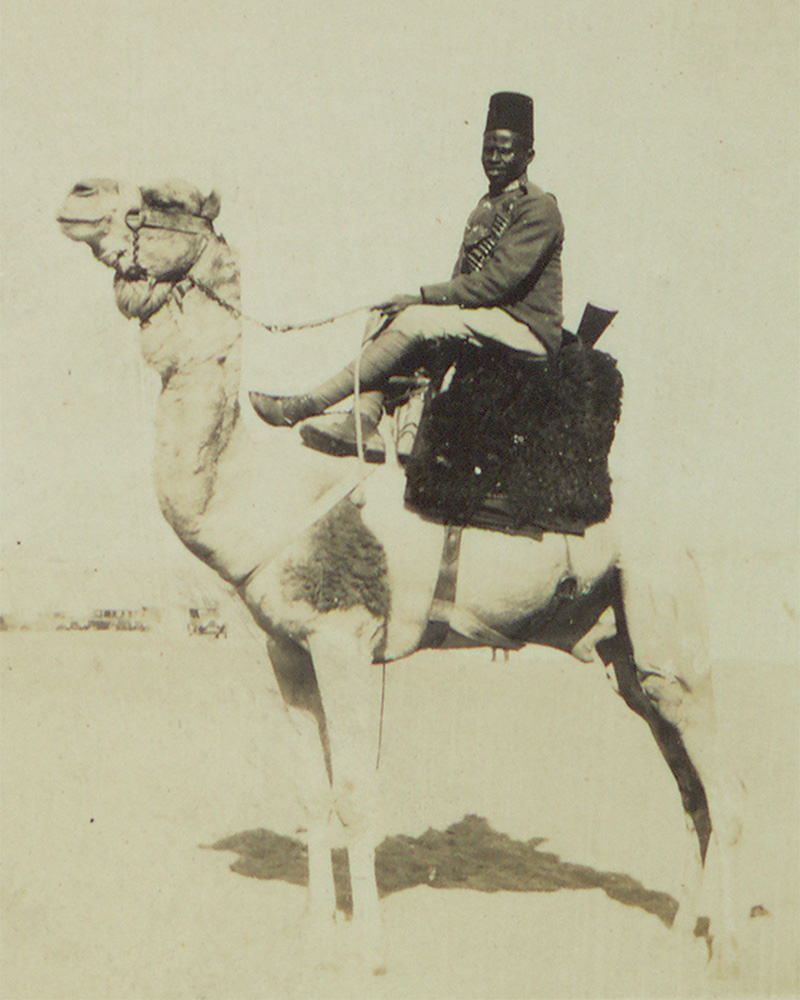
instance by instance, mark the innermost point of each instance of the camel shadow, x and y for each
(467, 855)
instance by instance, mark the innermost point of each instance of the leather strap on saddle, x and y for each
(451, 625)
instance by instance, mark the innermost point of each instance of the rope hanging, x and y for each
(272, 327)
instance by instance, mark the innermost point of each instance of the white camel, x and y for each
(340, 581)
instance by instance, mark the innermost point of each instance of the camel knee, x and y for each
(318, 807)
(682, 704)
(668, 695)
(728, 830)
(727, 801)
(352, 807)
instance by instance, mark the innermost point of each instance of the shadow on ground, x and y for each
(467, 855)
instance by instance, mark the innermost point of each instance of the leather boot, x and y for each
(283, 411)
(335, 434)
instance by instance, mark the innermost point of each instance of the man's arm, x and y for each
(398, 304)
(520, 255)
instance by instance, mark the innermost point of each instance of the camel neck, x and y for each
(196, 419)
(191, 325)
(227, 497)
(195, 345)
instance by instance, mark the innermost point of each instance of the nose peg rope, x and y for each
(380, 721)
(376, 321)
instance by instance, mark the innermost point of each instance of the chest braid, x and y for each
(476, 255)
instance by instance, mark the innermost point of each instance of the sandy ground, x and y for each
(124, 753)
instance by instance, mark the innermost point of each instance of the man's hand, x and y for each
(397, 304)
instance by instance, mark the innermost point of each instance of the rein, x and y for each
(272, 327)
(195, 225)
(150, 218)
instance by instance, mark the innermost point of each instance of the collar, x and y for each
(521, 184)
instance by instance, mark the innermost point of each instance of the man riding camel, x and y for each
(506, 287)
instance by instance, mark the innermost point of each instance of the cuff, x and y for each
(437, 295)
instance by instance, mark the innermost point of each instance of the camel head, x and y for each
(148, 235)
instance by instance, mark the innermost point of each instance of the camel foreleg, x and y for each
(350, 685)
(298, 685)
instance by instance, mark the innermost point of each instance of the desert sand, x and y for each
(126, 756)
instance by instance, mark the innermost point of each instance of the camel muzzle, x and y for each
(78, 229)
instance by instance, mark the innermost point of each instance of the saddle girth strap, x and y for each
(446, 618)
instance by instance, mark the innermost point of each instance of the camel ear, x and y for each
(211, 206)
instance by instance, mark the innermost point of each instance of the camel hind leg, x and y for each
(618, 653)
(661, 664)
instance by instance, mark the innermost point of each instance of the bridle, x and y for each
(196, 225)
(184, 222)
(152, 218)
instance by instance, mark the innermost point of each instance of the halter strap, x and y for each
(175, 222)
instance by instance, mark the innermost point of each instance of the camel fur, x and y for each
(356, 586)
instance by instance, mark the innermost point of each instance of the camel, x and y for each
(341, 577)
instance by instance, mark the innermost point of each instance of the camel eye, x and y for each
(83, 190)
(165, 204)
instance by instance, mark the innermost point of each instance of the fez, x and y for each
(511, 111)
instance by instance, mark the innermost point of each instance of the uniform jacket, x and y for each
(511, 257)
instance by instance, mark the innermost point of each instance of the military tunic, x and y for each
(511, 257)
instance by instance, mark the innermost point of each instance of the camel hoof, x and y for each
(687, 925)
(369, 956)
(723, 956)
(320, 939)
(725, 965)
(375, 961)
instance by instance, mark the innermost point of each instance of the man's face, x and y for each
(505, 157)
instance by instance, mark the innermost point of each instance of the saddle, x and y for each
(512, 442)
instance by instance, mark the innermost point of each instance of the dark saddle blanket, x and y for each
(515, 443)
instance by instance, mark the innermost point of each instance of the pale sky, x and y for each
(344, 139)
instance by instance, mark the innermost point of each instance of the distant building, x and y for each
(202, 620)
(205, 622)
